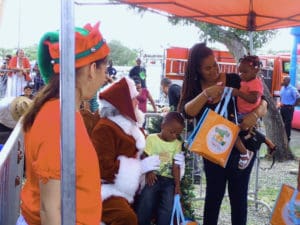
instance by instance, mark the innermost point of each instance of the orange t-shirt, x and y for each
(42, 154)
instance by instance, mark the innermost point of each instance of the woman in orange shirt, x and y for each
(40, 195)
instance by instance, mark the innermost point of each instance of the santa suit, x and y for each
(119, 143)
(120, 166)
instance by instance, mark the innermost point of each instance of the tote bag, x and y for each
(177, 217)
(287, 207)
(214, 135)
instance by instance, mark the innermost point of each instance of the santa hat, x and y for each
(120, 95)
(89, 47)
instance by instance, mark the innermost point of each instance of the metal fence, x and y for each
(11, 174)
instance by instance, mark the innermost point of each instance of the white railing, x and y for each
(11, 174)
(226, 67)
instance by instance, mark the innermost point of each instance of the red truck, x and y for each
(274, 68)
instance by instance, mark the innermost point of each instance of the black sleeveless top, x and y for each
(232, 80)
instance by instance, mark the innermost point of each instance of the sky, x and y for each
(24, 21)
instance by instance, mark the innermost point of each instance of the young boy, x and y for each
(156, 198)
(28, 92)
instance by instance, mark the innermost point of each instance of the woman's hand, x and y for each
(235, 92)
(214, 92)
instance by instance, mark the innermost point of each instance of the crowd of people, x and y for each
(123, 175)
(16, 73)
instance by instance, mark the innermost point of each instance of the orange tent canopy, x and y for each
(252, 15)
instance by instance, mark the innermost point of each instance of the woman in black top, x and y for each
(202, 88)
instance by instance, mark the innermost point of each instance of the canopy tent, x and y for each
(251, 15)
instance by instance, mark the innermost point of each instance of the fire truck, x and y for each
(273, 70)
(274, 67)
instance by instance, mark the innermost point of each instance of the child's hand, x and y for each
(151, 178)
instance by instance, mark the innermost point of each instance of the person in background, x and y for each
(20, 77)
(143, 97)
(41, 192)
(156, 198)
(288, 97)
(138, 73)
(28, 92)
(38, 82)
(112, 72)
(11, 110)
(3, 76)
(173, 92)
(201, 90)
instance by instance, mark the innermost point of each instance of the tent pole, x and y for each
(251, 42)
(19, 24)
(67, 109)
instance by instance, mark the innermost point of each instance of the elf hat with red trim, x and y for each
(89, 47)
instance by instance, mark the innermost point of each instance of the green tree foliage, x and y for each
(4, 52)
(121, 55)
(30, 52)
(237, 41)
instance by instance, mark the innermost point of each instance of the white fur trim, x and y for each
(126, 182)
(131, 128)
(132, 88)
(103, 103)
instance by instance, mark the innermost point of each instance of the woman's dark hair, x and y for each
(173, 116)
(191, 82)
(49, 91)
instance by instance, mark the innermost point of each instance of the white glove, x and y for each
(179, 159)
(150, 163)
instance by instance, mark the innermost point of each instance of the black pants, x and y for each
(237, 180)
(287, 112)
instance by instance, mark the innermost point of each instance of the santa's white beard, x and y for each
(140, 116)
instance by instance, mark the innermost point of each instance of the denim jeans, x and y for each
(156, 201)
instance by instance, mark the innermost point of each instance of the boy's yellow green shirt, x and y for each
(165, 150)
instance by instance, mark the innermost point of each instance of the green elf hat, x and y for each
(89, 47)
